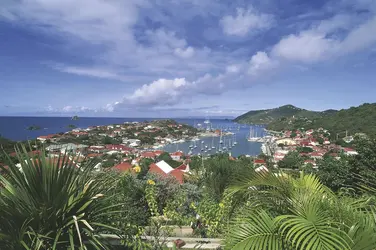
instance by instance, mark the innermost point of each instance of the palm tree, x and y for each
(51, 203)
(281, 212)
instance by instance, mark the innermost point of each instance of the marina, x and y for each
(220, 136)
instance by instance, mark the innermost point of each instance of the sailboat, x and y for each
(194, 144)
(235, 142)
(229, 144)
(253, 135)
(220, 139)
(213, 143)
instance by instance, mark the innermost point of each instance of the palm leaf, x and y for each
(256, 230)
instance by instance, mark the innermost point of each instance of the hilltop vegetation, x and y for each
(267, 116)
(355, 120)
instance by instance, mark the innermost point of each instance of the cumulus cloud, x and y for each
(305, 47)
(245, 21)
(260, 62)
(318, 43)
(185, 53)
(161, 92)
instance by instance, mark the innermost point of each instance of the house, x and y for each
(177, 156)
(162, 168)
(259, 162)
(148, 154)
(349, 151)
(262, 168)
(285, 141)
(309, 132)
(123, 167)
(44, 138)
(118, 147)
(316, 155)
(158, 152)
(306, 162)
(97, 149)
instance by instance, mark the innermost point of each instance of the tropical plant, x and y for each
(51, 203)
(282, 212)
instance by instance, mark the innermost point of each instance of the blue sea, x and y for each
(15, 128)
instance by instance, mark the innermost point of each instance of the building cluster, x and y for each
(132, 134)
(311, 144)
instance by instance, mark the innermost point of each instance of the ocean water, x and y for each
(15, 128)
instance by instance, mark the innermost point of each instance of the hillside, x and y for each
(267, 116)
(360, 119)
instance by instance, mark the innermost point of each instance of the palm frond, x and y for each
(255, 230)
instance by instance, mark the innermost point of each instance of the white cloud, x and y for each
(161, 92)
(185, 53)
(305, 47)
(260, 62)
(360, 38)
(93, 72)
(245, 21)
(234, 68)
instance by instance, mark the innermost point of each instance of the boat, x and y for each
(220, 139)
(194, 144)
(253, 136)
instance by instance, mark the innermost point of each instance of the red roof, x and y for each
(178, 153)
(348, 150)
(259, 161)
(178, 174)
(158, 152)
(182, 167)
(148, 154)
(122, 167)
(316, 154)
(153, 168)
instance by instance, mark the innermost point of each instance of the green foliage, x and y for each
(292, 160)
(281, 113)
(50, 204)
(335, 174)
(165, 156)
(304, 149)
(109, 140)
(355, 120)
(311, 218)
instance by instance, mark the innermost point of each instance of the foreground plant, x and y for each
(282, 212)
(51, 203)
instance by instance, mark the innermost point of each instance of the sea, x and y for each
(16, 128)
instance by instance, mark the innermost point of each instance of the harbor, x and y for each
(220, 136)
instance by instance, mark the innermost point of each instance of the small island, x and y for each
(34, 127)
(72, 126)
(74, 118)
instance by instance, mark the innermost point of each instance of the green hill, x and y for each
(267, 116)
(360, 119)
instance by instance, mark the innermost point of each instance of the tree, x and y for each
(335, 174)
(46, 206)
(165, 156)
(293, 134)
(144, 164)
(304, 149)
(298, 213)
(291, 160)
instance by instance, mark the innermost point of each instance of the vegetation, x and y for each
(353, 120)
(279, 114)
(50, 204)
(34, 127)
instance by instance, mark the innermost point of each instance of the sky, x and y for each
(169, 58)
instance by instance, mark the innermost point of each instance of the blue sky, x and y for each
(165, 58)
